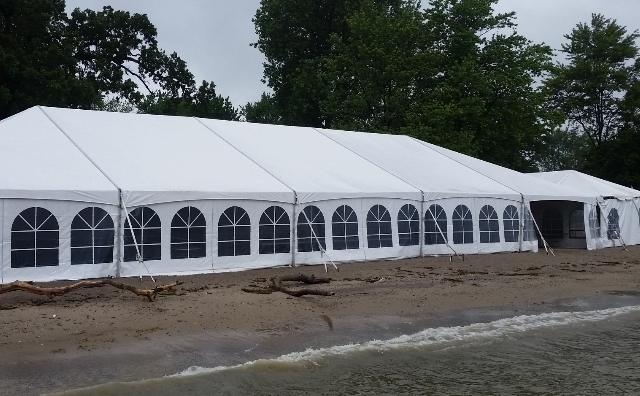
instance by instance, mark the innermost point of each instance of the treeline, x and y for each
(452, 72)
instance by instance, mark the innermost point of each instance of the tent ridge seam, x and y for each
(468, 167)
(81, 150)
(249, 158)
(371, 162)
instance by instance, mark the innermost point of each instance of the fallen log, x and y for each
(52, 292)
(276, 284)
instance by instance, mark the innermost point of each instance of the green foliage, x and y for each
(36, 62)
(106, 60)
(589, 90)
(455, 73)
(263, 111)
(204, 103)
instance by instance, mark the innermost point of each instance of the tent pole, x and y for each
(521, 224)
(544, 242)
(294, 233)
(421, 217)
(119, 239)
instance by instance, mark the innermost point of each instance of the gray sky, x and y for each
(213, 36)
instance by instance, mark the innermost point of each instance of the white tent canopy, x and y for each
(85, 194)
(531, 188)
(587, 184)
(616, 216)
(434, 174)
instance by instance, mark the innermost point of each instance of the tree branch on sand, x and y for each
(52, 292)
(276, 285)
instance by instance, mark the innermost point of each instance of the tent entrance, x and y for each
(561, 223)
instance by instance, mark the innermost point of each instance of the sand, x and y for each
(114, 335)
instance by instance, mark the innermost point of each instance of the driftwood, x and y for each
(51, 292)
(276, 285)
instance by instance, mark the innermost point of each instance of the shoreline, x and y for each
(108, 335)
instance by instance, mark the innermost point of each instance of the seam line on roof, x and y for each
(371, 162)
(81, 150)
(468, 167)
(295, 193)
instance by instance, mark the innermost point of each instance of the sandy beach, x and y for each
(97, 335)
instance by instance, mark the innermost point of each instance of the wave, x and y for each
(436, 338)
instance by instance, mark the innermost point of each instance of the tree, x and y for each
(263, 111)
(482, 100)
(452, 74)
(590, 89)
(36, 62)
(372, 77)
(294, 36)
(104, 59)
(204, 102)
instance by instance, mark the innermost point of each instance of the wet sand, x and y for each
(93, 336)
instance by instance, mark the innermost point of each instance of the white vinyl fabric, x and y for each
(156, 159)
(315, 167)
(615, 202)
(532, 189)
(39, 162)
(82, 193)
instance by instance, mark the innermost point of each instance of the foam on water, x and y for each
(436, 338)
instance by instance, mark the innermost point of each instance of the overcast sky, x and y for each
(213, 36)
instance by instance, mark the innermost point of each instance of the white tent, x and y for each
(614, 219)
(85, 194)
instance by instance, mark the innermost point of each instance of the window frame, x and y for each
(237, 225)
(432, 217)
(196, 234)
(45, 239)
(377, 226)
(141, 238)
(269, 227)
(315, 223)
(461, 225)
(108, 229)
(345, 231)
(489, 225)
(410, 223)
(511, 216)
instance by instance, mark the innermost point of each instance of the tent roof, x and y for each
(39, 162)
(316, 167)
(440, 177)
(588, 184)
(164, 159)
(533, 189)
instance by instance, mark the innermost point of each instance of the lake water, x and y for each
(585, 352)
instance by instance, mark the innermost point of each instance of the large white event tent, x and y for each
(615, 219)
(90, 194)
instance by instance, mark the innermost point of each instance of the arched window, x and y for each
(379, 227)
(344, 226)
(594, 222)
(311, 230)
(234, 233)
(435, 220)
(613, 224)
(34, 239)
(576, 224)
(146, 227)
(552, 224)
(274, 231)
(529, 232)
(511, 223)
(188, 234)
(408, 226)
(462, 220)
(489, 225)
(92, 237)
